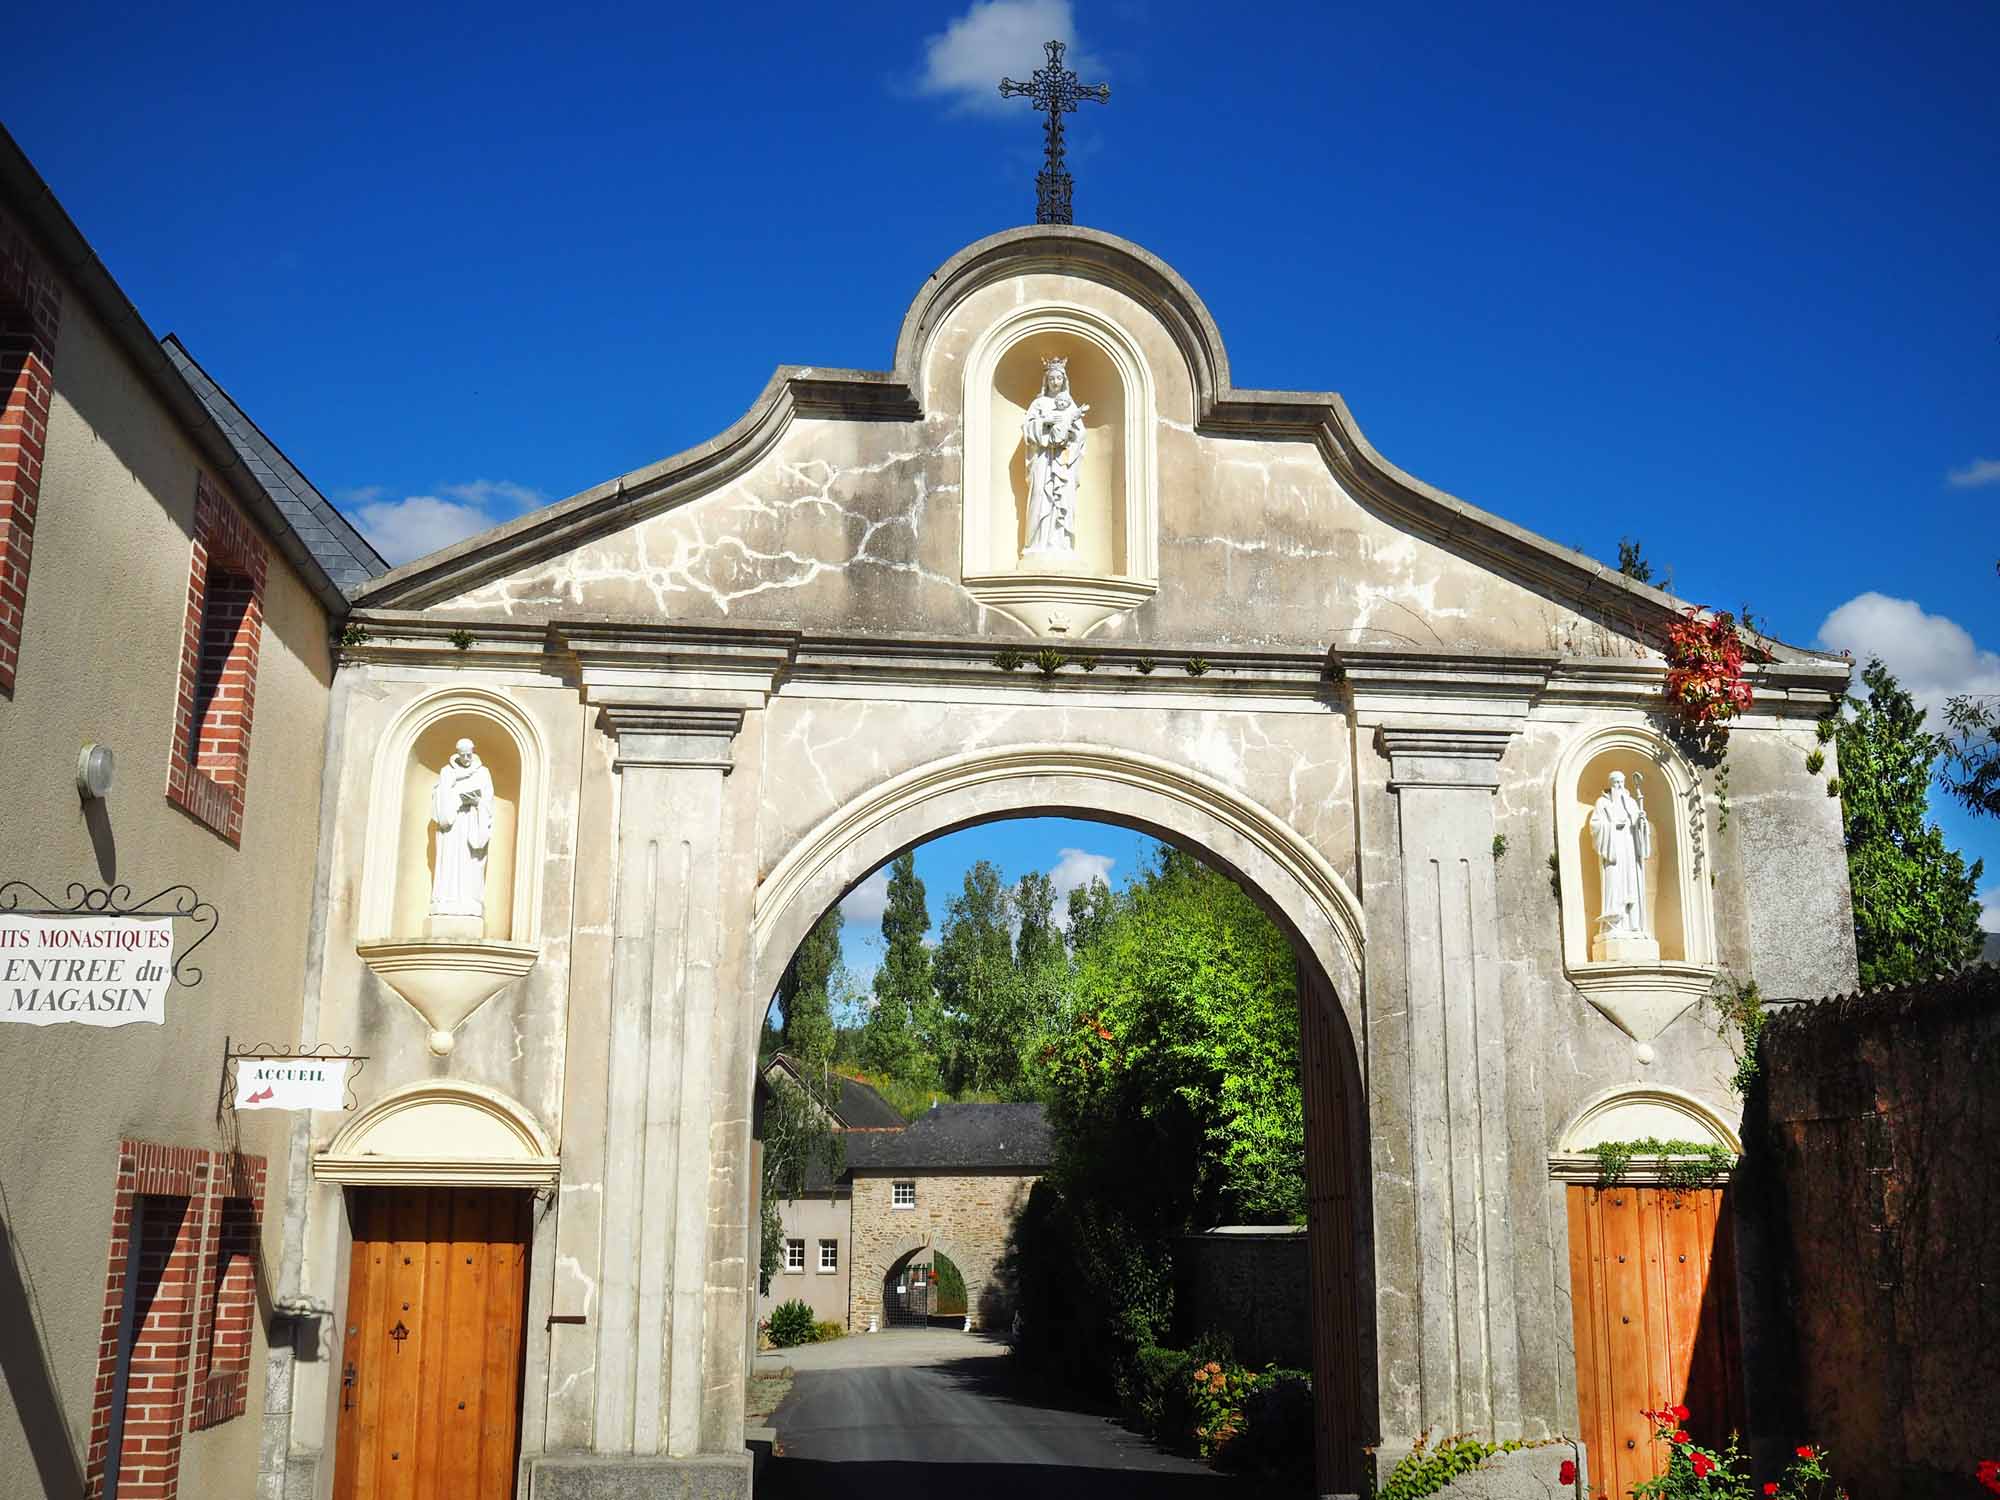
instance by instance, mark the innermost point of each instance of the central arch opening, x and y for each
(1033, 942)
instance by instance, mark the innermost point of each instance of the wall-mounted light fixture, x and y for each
(94, 765)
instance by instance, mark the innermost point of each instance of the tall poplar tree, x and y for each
(893, 1040)
(805, 993)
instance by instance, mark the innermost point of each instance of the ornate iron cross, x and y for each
(1055, 89)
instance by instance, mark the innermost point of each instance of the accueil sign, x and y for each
(95, 971)
(291, 1082)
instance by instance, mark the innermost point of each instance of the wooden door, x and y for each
(431, 1370)
(1653, 1290)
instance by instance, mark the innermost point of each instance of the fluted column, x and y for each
(1444, 778)
(666, 938)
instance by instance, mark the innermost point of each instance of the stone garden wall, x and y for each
(1881, 1144)
(1250, 1282)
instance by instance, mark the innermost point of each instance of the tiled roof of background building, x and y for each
(1015, 1136)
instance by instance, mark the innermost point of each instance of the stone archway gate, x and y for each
(748, 675)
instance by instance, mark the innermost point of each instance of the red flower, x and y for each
(1806, 1451)
(1771, 1488)
(1567, 1473)
(1702, 1464)
(1680, 1437)
(1989, 1474)
(1681, 1413)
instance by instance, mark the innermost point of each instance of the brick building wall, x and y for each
(970, 1216)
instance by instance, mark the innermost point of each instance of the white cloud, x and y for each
(867, 901)
(1934, 658)
(1989, 909)
(1075, 868)
(994, 39)
(406, 529)
(1979, 471)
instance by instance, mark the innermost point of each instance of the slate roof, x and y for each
(961, 1136)
(856, 1106)
(334, 543)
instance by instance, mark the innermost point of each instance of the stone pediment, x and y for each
(878, 501)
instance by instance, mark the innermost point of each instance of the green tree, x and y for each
(1916, 911)
(1089, 909)
(1184, 1028)
(1036, 943)
(1632, 561)
(1971, 770)
(982, 1025)
(805, 994)
(904, 1001)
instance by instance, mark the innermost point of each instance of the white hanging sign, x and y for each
(95, 971)
(292, 1082)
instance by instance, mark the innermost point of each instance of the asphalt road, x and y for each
(950, 1422)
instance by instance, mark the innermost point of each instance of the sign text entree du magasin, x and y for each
(96, 971)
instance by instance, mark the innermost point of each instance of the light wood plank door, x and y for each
(1653, 1289)
(430, 1374)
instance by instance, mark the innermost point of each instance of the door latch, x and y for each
(347, 1387)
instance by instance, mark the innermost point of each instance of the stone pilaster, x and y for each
(671, 760)
(1444, 779)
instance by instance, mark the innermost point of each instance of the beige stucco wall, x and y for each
(107, 597)
(815, 1217)
(970, 1216)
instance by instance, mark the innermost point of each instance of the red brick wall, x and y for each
(208, 771)
(30, 310)
(228, 1292)
(186, 1323)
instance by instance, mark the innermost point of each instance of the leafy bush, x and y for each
(1277, 1438)
(791, 1324)
(1693, 1471)
(1152, 1394)
(949, 1298)
(827, 1332)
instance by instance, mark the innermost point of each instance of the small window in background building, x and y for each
(905, 1195)
(829, 1255)
(795, 1255)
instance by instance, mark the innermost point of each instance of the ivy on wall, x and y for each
(1682, 1164)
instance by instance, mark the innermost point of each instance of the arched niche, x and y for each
(441, 1132)
(402, 842)
(1116, 566)
(1637, 1114)
(1640, 994)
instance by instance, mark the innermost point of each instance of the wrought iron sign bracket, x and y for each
(116, 901)
(280, 1052)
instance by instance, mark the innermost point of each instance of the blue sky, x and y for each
(1722, 279)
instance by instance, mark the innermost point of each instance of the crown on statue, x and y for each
(1055, 364)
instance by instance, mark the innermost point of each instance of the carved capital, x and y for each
(686, 736)
(1444, 755)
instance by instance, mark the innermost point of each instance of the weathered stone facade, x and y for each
(746, 677)
(970, 1216)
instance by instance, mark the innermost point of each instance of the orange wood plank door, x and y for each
(430, 1395)
(1653, 1290)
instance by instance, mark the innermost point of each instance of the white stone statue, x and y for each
(1053, 433)
(1624, 842)
(462, 809)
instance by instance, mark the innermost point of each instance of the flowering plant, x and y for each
(1705, 682)
(1697, 1473)
(1988, 1474)
(1218, 1396)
